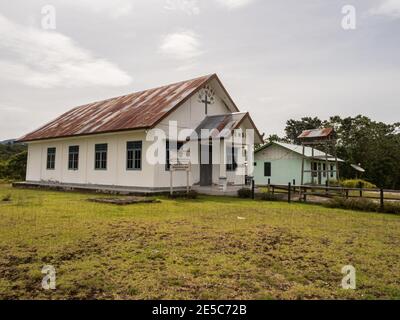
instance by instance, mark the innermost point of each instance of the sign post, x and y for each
(180, 167)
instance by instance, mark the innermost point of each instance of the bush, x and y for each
(6, 198)
(355, 183)
(360, 204)
(268, 196)
(244, 193)
(357, 204)
(391, 207)
(183, 195)
(334, 183)
(14, 168)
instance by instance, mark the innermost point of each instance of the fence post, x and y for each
(361, 190)
(289, 192)
(382, 199)
(347, 193)
(305, 194)
(252, 189)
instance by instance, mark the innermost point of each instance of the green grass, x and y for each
(192, 249)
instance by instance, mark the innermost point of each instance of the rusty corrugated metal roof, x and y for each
(220, 126)
(139, 110)
(316, 133)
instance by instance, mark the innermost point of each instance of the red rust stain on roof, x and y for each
(139, 110)
(316, 133)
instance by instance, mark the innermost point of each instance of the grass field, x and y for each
(210, 248)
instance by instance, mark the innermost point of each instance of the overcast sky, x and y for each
(278, 59)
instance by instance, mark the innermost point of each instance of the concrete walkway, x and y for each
(231, 191)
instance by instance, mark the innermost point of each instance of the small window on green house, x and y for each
(267, 169)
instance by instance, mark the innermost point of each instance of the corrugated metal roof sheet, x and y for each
(357, 168)
(316, 133)
(220, 126)
(139, 110)
(299, 149)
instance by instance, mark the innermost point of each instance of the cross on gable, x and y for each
(206, 103)
(206, 96)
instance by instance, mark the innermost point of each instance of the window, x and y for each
(168, 164)
(101, 156)
(324, 169)
(267, 169)
(51, 158)
(314, 168)
(255, 164)
(231, 156)
(73, 157)
(332, 169)
(134, 155)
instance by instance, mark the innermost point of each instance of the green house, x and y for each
(280, 163)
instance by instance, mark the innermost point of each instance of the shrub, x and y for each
(391, 207)
(183, 195)
(6, 198)
(15, 167)
(268, 196)
(334, 183)
(357, 204)
(355, 183)
(244, 193)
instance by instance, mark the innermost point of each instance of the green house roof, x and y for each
(299, 150)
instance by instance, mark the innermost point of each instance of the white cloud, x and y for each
(48, 59)
(183, 45)
(390, 8)
(190, 7)
(234, 4)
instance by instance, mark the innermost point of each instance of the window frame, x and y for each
(179, 145)
(51, 160)
(133, 146)
(268, 170)
(73, 158)
(101, 160)
(231, 167)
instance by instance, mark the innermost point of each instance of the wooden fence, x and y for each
(291, 192)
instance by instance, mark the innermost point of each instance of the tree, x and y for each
(15, 167)
(295, 127)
